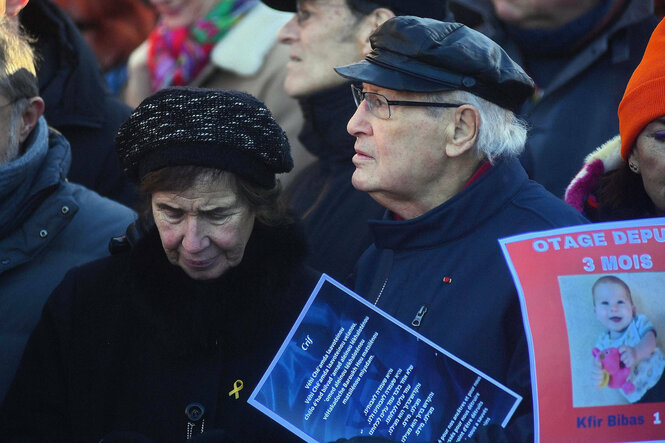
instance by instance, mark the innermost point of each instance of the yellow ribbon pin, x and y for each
(237, 386)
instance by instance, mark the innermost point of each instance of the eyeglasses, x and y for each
(379, 105)
(302, 15)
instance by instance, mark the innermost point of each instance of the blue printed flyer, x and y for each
(347, 369)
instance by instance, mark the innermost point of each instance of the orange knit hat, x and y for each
(644, 99)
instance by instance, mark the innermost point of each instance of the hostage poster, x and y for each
(593, 303)
(347, 370)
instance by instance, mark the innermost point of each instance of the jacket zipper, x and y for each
(417, 320)
(381, 292)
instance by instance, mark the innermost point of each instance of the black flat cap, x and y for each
(424, 55)
(437, 9)
(221, 129)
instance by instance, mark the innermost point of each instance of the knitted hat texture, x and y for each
(228, 130)
(644, 99)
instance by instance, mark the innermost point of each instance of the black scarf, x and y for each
(182, 317)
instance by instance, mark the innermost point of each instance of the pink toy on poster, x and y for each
(617, 372)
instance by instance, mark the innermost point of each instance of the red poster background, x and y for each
(537, 273)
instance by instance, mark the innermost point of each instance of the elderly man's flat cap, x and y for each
(424, 55)
(437, 9)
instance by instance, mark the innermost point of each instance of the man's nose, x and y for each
(359, 125)
(289, 32)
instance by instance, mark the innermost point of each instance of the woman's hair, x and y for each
(621, 195)
(264, 203)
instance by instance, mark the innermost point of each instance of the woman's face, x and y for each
(649, 155)
(205, 228)
(179, 13)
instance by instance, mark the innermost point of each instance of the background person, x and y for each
(580, 54)
(47, 224)
(112, 30)
(625, 178)
(78, 101)
(223, 44)
(158, 340)
(322, 35)
(436, 145)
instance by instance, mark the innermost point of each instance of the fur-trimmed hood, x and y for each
(604, 159)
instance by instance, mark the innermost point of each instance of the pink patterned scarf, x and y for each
(177, 55)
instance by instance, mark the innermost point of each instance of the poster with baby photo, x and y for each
(593, 303)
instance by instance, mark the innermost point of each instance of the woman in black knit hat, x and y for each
(166, 339)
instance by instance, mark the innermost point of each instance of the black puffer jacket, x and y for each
(131, 344)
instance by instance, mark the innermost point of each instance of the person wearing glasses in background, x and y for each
(324, 34)
(437, 141)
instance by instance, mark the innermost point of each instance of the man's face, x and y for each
(322, 35)
(541, 14)
(9, 127)
(402, 157)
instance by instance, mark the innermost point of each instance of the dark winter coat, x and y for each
(579, 88)
(444, 275)
(334, 214)
(78, 101)
(132, 344)
(47, 226)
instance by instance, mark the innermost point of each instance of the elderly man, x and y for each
(322, 35)
(436, 144)
(47, 225)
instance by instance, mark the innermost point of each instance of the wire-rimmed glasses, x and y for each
(379, 105)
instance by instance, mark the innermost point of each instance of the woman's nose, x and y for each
(194, 239)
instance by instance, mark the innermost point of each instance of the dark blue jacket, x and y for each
(78, 101)
(449, 261)
(47, 226)
(334, 214)
(576, 110)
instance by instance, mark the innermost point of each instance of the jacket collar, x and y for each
(70, 79)
(244, 48)
(326, 115)
(457, 217)
(29, 179)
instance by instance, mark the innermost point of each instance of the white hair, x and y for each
(13, 145)
(501, 132)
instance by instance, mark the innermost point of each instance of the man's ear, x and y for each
(30, 116)
(369, 24)
(466, 122)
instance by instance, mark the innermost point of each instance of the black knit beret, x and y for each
(222, 129)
